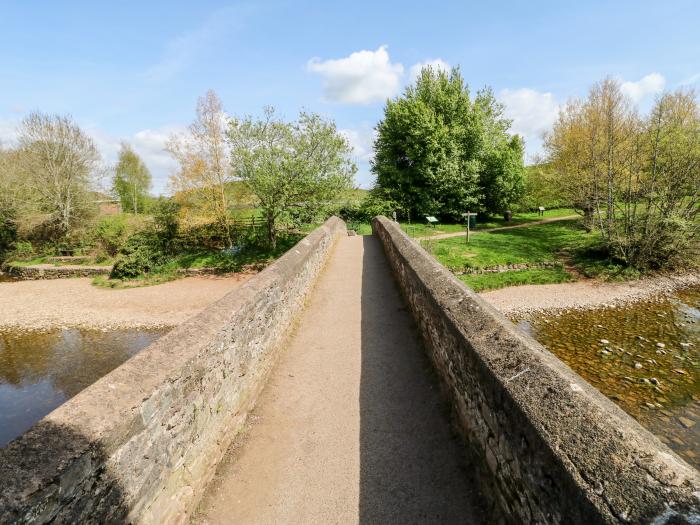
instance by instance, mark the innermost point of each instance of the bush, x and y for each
(23, 250)
(375, 203)
(111, 233)
(166, 221)
(141, 254)
(8, 236)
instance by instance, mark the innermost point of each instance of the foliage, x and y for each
(131, 181)
(376, 202)
(288, 166)
(438, 152)
(166, 222)
(542, 188)
(141, 254)
(205, 170)
(635, 179)
(110, 233)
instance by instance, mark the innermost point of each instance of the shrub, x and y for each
(111, 233)
(8, 235)
(23, 250)
(142, 253)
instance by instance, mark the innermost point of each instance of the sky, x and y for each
(132, 71)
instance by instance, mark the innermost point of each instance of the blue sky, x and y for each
(133, 70)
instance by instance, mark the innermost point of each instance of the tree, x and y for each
(303, 164)
(58, 162)
(10, 199)
(205, 169)
(438, 152)
(132, 180)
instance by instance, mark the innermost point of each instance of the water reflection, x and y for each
(645, 357)
(41, 370)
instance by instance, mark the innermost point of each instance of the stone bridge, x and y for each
(355, 380)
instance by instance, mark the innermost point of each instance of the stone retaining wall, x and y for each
(48, 271)
(546, 445)
(140, 444)
(501, 268)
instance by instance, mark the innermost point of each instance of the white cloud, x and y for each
(149, 144)
(364, 77)
(362, 142)
(532, 112)
(648, 85)
(438, 64)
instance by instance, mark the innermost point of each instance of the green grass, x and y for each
(536, 244)
(493, 281)
(565, 242)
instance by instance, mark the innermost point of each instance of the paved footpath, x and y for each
(350, 428)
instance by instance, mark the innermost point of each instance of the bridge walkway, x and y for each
(351, 427)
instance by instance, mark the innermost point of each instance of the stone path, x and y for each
(350, 428)
(500, 228)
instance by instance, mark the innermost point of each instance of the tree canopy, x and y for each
(303, 164)
(440, 152)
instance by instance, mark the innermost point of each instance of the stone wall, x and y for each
(49, 271)
(140, 444)
(547, 446)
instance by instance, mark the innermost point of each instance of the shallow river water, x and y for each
(41, 370)
(644, 356)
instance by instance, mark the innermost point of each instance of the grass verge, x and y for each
(494, 281)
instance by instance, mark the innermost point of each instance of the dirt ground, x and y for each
(58, 303)
(581, 294)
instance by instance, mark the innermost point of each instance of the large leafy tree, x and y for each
(439, 152)
(132, 180)
(290, 166)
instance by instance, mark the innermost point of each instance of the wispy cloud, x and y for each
(689, 81)
(182, 51)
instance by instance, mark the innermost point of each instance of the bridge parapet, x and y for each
(140, 444)
(548, 447)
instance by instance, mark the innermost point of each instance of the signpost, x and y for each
(468, 216)
(431, 220)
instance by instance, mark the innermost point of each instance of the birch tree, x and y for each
(205, 170)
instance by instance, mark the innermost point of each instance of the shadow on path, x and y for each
(411, 465)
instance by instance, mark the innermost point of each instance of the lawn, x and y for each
(564, 242)
(536, 244)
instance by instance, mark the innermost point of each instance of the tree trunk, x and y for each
(271, 232)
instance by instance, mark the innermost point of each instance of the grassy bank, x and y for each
(253, 257)
(565, 243)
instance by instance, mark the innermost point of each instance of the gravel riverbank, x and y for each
(522, 300)
(75, 303)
